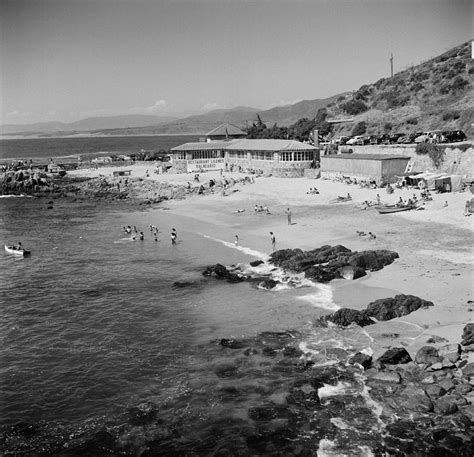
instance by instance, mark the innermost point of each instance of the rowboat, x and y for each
(18, 252)
(393, 209)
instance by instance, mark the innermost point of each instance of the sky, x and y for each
(66, 60)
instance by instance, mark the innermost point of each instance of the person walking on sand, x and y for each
(173, 237)
(288, 215)
(273, 240)
(236, 240)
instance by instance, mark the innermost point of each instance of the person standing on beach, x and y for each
(273, 240)
(173, 237)
(288, 215)
(236, 241)
(175, 233)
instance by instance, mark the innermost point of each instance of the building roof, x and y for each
(365, 156)
(246, 145)
(226, 130)
(201, 146)
(267, 145)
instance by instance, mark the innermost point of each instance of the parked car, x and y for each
(409, 138)
(423, 138)
(394, 137)
(343, 140)
(354, 140)
(453, 136)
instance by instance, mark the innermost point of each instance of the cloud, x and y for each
(210, 106)
(288, 102)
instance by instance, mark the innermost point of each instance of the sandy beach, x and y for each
(434, 244)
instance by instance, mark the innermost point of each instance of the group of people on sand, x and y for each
(261, 209)
(312, 191)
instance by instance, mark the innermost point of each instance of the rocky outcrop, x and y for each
(221, 272)
(379, 310)
(400, 305)
(25, 182)
(331, 262)
(394, 356)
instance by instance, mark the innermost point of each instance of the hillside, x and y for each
(435, 95)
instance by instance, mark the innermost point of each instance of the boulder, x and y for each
(256, 263)
(400, 305)
(447, 384)
(450, 352)
(346, 316)
(221, 272)
(372, 260)
(362, 359)
(395, 356)
(268, 284)
(427, 355)
(446, 405)
(468, 334)
(434, 391)
(468, 370)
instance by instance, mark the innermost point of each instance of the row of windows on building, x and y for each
(294, 156)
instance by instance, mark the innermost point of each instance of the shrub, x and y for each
(451, 115)
(412, 121)
(341, 98)
(444, 89)
(379, 83)
(360, 128)
(459, 83)
(435, 152)
(394, 99)
(354, 107)
(387, 127)
(471, 70)
(417, 87)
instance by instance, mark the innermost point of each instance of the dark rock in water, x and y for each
(250, 351)
(221, 272)
(395, 356)
(232, 344)
(428, 355)
(183, 284)
(346, 316)
(330, 262)
(256, 263)
(268, 284)
(142, 414)
(468, 335)
(361, 359)
(321, 274)
(400, 305)
(436, 339)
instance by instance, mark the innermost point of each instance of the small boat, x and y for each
(393, 209)
(18, 252)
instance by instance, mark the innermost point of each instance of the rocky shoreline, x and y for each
(136, 190)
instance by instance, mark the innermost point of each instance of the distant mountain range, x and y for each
(434, 95)
(89, 124)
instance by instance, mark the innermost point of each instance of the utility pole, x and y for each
(391, 64)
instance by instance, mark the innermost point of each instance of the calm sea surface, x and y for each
(58, 147)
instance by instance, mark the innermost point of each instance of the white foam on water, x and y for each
(15, 196)
(329, 448)
(245, 250)
(375, 407)
(340, 388)
(341, 424)
(322, 297)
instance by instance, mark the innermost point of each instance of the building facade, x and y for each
(277, 157)
(380, 167)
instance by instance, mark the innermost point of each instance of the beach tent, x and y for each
(449, 183)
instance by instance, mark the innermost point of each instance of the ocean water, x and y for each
(23, 148)
(94, 324)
